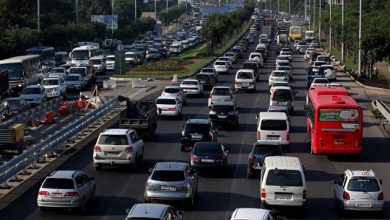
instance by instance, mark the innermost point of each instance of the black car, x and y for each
(197, 130)
(210, 154)
(312, 73)
(223, 114)
(253, 65)
(206, 80)
(259, 152)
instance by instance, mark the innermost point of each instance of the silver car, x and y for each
(222, 94)
(66, 189)
(153, 211)
(33, 94)
(172, 181)
(74, 82)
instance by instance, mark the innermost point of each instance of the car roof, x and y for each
(224, 103)
(68, 174)
(190, 80)
(245, 70)
(250, 213)
(150, 210)
(282, 88)
(360, 173)
(197, 121)
(273, 115)
(115, 131)
(171, 166)
(283, 162)
(166, 97)
(277, 107)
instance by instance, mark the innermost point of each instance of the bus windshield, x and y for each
(15, 70)
(80, 55)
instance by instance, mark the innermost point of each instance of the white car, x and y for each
(278, 83)
(273, 127)
(278, 75)
(74, 82)
(169, 106)
(210, 71)
(174, 91)
(110, 62)
(221, 94)
(153, 211)
(33, 94)
(320, 81)
(221, 67)
(256, 57)
(286, 68)
(252, 214)
(228, 60)
(308, 53)
(287, 53)
(54, 87)
(58, 72)
(66, 189)
(232, 56)
(330, 72)
(192, 87)
(245, 80)
(359, 190)
(282, 58)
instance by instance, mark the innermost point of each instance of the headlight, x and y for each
(212, 112)
(20, 85)
(231, 113)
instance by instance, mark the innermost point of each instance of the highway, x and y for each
(218, 196)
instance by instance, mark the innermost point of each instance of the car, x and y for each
(153, 211)
(227, 60)
(74, 82)
(192, 87)
(330, 72)
(169, 106)
(309, 36)
(282, 58)
(284, 96)
(174, 91)
(256, 57)
(66, 189)
(195, 130)
(324, 58)
(211, 72)
(315, 43)
(54, 87)
(318, 64)
(253, 65)
(273, 127)
(152, 55)
(221, 67)
(110, 62)
(319, 81)
(67, 66)
(221, 93)
(61, 57)
(237, 49)
(224, 114)
(208, 155)
(278, 83)
(299, 44)
(286, 68)
(172, 181)
(245, 80)
(98, 63)
(33, 94)
(252, 214)
(206, 80)
(117, 146)
(58, 72)
(302, 48)
(259, 151)
(83, 71)
(232, 55)
(47, 65)
(286, 53)
(359, 190)
(308, 53)
(277, 75)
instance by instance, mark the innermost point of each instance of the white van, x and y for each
(274, 127)
(245, 80)
(176, 47)
(99, 64)
(282, 182)
(282, 96)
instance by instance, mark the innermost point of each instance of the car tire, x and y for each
(42, 209)
(249, 173)
(97, 166)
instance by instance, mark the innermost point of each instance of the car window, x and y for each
(113, 140)
(222, 108)
(281, 95)
(190, 82)
(58, 183)
(168, 175)
(267, 149)
(166, 101)
(28, 91)
(273, 125)
(197, 128)
(171, 90)
(221, 91)
(244, 75)
(363, 184)
(280, 177)
(202, 76)
(207, 149)
(278, 74)
(79, 181)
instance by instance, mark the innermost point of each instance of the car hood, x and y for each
(30, 96)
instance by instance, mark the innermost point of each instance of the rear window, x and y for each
(169, 176)
(207, 149)
(284, 178)
(267, 149)
(190, 82)
(197, 128)
(363, 185)
(220, 63)
(171, 90)
(221, 91)
(244, 75)
(207, 70)
(222, 108)
(273, 125)
(113, 140)
(166, 101)
(278, 74)
(202, 76)
(249, 65)
(58, 183)
(282, 95)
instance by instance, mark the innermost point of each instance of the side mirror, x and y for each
(381, 182)
(128, 211)
(150, 170)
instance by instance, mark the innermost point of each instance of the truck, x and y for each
(140, 116)
(4, 84)
(12, 138)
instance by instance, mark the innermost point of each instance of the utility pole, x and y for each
(305, 10)
(77, 11)
(314, 15)
(330, 26)
(360, 39)
(135, 10)
(39, 15)
(289, 7)
(309, 12)
(342, 31)
(155, 9)
(319, 19)
(278, 6)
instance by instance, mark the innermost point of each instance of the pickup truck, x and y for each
(140, 116)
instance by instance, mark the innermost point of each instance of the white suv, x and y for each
(118, 147)
(66, 189)
(221, 67)
(54, 86)
(245, 80)
(358, 190)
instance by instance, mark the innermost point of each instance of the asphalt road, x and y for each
(218, 195)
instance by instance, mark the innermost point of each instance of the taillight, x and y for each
(195, 158)
(44, 193)
(128, 149)
(97, 148)
(250, 158)
(263, 194)
(304, 194)
(236, 82)
(346, 196)
(72, 194)
(381, 196)
(258, 135)
(172, 109)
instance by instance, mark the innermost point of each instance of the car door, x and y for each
(136, 142)
(81, 186)
(179, 104)
(339, 187)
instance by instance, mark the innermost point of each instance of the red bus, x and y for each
(334, 121)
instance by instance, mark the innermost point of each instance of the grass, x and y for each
(193, 52)
(348, 62)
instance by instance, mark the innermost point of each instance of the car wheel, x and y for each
(97, 166)
(249, 173)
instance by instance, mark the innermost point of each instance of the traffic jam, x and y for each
(238, 140)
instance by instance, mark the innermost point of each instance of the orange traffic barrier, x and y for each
(49, 119)
(64, 108)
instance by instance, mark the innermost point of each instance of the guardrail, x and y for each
(381, 107)
(10, 169)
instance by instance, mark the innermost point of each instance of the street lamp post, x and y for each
(39, 15)
(330, 26)
(319, 18)
(360, 39)
(77, 11)
(305, 11)
(135, 10)
(314, 15)
(112, 18)
(342, 31)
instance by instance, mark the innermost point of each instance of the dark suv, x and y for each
(224, 114)
(197, 130)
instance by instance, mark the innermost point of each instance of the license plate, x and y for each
(203, 82)
(168, 188)
(207, 161)
(222, 116)
(245, 84)
(273, 138)
(196, 136)
(364, 205)
(283, 196)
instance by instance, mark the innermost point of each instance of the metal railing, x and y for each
(381, 107)
(10, 169)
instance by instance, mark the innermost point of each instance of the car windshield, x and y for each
(50, 82)
(171, 90)
(29, 91)
(202, 76)
(267, 149)
(190, 82)
(279, 177)
(273, 125)
(220, 63)
(168, 175)
(165, 102)
(207, 70)
(222, 108)
(244, 75)
(80, 55)
(197, 128)
(206, 149)
(15, 70)
(113, 140)
(221, 91)
(58, 183)
(363, 184)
